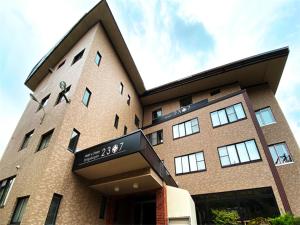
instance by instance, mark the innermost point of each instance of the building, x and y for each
(99, 148)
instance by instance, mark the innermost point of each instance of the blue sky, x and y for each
(167, 39)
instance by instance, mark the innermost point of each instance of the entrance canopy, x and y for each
(121, 166)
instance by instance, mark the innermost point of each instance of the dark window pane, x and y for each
(185, 101)
(98, 58)
(61, 64)
(78, 57)
(116, 121)
(53, 209)
(137, 121)
(125, 130)
(128, 100)
(74, 140)
(121, 88)
(156, 114)
(45, 139)
(19, 210)
(44, 102)
(26, 139)
(86, 97)
(5, 186)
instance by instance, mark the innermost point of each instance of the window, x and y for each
(137, 121)
(86, 97)
(228, 115)
(186, 128)
(26, 139)
(121, 88)
(125, 130)
(61, 95)
(156, 138)
(103, 207)
(45, 139)
(214, 92)
(98, 58)
(128, 100)
(43, 102)
(53, 210)
(5, 187)
(116, 121)
(78, 57)
(185, 101)
(61, 64)
(239, 153)
(280, 154)
(265, 116)
(19, 210)
(156, 114)
(74, 140)
(190, 163)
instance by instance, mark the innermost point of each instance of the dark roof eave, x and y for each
(277, 53)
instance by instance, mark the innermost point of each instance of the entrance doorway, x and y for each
(136, 209)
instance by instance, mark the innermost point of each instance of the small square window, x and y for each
(78, 57)
(45, 139)
(137, 121)
(265, 116)
(74, 140)
(280, 154)
(156, 114)
(86, 97)
(44, 102)
(19, 210)
(98, 58)
(116, 124)
(185, 101)
(128, 100)
(26, 139)
(121, 88)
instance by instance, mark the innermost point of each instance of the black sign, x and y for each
(107, 151)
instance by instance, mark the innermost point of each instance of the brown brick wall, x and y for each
(262, 97)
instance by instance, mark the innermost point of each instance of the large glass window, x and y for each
(228, 115)
(53, 210)
(74, 140)
(45, 139)
(26, 139)
(190, 163)
(156, 114)
(156, 138)
(98, 58)
(5, 186)
(19, 210)
(280, 154)
(86, 97)
(238, 153)
(265, 116)
(186, 128)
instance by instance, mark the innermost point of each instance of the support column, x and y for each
(161, 207)
(109, 214)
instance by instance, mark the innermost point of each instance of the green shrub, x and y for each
(296, 220)
(286, 219)
(259, 221)
(225, 217)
